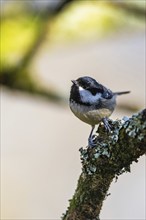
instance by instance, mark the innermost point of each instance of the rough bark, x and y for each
(112, 156)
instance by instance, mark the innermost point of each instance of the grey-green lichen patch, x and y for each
(135, 126)
(140, 137)
(91, 169)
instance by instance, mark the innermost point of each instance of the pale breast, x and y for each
(89, 115)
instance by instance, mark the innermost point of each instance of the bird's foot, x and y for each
(92, 141)
(106, 124)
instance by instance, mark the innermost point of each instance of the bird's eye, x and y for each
(107, 95)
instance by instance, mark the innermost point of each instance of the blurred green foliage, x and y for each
(17, 36)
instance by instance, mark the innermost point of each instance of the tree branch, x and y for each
(130, 9)
(112, 156)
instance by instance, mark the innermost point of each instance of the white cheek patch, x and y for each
(87, 97)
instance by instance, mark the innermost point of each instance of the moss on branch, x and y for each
(112, 156)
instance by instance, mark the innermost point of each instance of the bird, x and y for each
(92, 103)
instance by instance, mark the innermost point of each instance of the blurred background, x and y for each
(44, 45)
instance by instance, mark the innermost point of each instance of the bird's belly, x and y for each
(89, 115)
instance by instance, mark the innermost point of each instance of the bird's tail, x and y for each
(121, 93)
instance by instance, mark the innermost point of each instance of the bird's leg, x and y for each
(91, 141)
(106, 124)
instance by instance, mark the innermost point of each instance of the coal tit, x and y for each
(92, 103)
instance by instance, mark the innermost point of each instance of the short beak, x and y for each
(74, 82)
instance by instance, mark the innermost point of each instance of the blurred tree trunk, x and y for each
(112, 156)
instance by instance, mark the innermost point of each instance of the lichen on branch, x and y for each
(113, 154)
